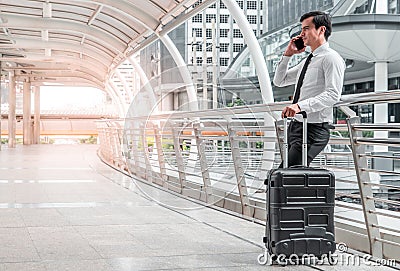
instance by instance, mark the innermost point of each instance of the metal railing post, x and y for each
(160, 155)
(367, 200)
(240, 178)
(203, 163)
(135, 152)
(179, 158)
(148, 174)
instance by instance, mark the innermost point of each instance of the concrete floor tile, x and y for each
(24, 266)
(50, 224)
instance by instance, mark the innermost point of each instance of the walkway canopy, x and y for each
(80, 42)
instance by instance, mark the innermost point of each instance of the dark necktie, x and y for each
(301, 78)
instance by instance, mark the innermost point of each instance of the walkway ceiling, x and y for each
(78, 42)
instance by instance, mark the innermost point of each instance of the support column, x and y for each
(36, 118)
(184, 71)
(381, 110)
(11, 113)
(254, 49)
(381, 7)
(27, 113)
(214, 66)
(204, 103)
(262, 74)
(145, 83)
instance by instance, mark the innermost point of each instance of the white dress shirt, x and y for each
(322, 84)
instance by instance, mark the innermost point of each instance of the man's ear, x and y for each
(323, 29)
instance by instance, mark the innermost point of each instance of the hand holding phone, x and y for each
(299, 43)
(296, 46)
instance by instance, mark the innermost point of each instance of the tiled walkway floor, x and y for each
(62, 209)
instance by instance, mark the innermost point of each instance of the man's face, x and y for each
(309, 33)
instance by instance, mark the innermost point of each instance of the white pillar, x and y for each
(36, 117)
(184, 71)
(27, 113)
(254, 49)
(262, 74)
(381, 110)
(204, 64)
(11, 112)
(214, 67)
(145, 84)
(381, 6)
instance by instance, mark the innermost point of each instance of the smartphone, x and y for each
(299, 43)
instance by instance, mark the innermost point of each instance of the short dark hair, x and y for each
(320, 19)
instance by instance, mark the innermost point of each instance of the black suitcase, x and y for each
(300, 209)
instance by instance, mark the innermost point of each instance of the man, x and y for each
(319, 81)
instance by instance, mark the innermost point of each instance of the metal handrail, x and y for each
(233, 166)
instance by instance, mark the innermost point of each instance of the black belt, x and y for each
(326, 125)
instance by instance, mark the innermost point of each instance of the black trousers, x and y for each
(317, 138)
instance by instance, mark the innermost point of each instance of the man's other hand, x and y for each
(291, 110)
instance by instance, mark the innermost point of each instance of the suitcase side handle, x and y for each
(285, 140)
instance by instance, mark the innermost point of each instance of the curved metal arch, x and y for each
(37, 23)
(134, 12)
(52, 71)
(38, 44)
(61, 74)
(70, 81)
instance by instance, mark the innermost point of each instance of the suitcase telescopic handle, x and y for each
(285, 140)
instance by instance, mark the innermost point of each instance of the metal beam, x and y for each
(91, 51)
(102, 38)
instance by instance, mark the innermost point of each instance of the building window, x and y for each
(209, 60)
(240, 2)
(261, 5)
(213, 5)
(237, 47)
(252, 19)
(237, 33)
(223, 33)
(198, 32)
(197, 3)
(199, 60)
(223, 18)
(209, 33)
(209, 17)
(199, 47)
(224, 47)
(197, 19)
(223, 61)
(251, 4)
(222, 5)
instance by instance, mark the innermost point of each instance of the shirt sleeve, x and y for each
(283, 76)
(333, 67)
